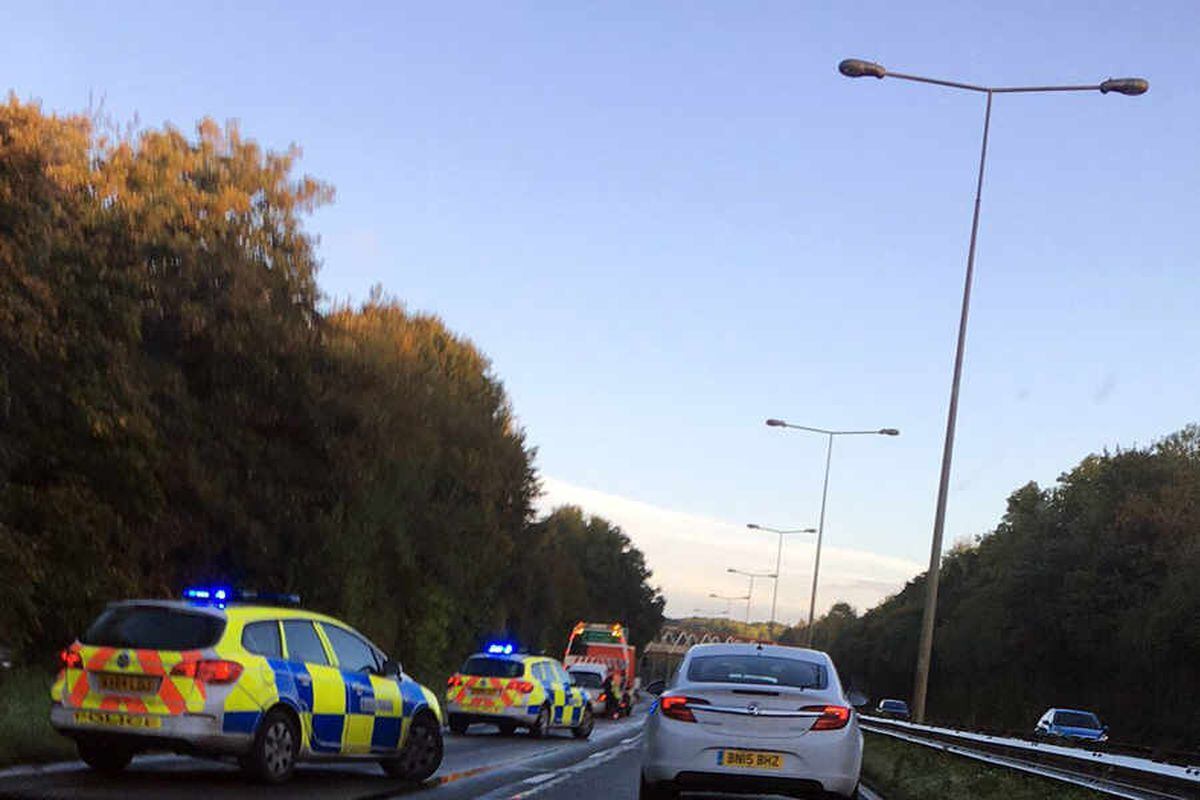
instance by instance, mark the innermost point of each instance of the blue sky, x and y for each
(667, 222)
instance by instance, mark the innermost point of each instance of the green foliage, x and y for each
(903, 771)
(1084, 596)
(176, 407)
(577, 568)
(25, 732)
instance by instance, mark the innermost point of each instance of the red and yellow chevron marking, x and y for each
(176, 694)
(477, 693)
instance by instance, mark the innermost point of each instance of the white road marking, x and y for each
(542, 783)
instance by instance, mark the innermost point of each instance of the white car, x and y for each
(589, 678)
(755, 718)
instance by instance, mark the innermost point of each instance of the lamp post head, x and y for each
(889, 432)
(730, 569)
(776, 423)
(857, 68)
(753, 527)
(1130, 86)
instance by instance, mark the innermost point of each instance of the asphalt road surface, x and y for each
(475, 765)
(482, 764)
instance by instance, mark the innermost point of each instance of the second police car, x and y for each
(221, 674)
(511, 690)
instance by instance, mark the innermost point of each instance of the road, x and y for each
(482, 764)
(478, 764)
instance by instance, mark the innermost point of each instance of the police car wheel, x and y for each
(584, 729)
(507, 728)
(102, 757)
(422, 753)
(541, 725)
(458, 724)
(276, 745)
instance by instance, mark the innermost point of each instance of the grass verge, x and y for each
(904, 771)
(25, 732)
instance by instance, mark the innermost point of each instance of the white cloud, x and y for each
(690, 554)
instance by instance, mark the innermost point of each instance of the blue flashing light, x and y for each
(216, 595)
(501, 649)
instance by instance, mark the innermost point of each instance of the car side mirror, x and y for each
(392, 668)
(857, 698)
(656, 687)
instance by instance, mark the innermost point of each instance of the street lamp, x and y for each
(856, 68)
(778, 558)
(750, 591)
(778, 423)
(729, 598)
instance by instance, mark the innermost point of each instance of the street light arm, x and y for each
(754, 527)
(856, 68)
(751, 574)
(939, 82)
(778, 423)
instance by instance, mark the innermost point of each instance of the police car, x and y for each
(227, 673)
(509, 689)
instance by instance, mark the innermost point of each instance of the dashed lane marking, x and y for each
(562, 775)
(545, 776)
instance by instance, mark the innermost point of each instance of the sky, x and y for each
(666, 222)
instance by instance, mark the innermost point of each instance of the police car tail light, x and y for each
(676, 706)
(215, 671)
(832, 717)
(524, 687)
(454, 680)
(71, 659)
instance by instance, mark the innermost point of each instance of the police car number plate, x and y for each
(749, 759)
(129, 684)
(116, 718)
(486, 692)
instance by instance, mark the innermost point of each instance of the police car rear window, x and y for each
(485, 667)
(154, 628)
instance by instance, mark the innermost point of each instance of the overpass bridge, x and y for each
(661, 657)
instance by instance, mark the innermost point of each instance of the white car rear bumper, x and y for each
(687, 753)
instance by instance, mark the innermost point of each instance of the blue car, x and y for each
(1071, 725)
(895, 709)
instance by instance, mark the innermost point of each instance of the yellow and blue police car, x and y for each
(511, 690)
(227, 673)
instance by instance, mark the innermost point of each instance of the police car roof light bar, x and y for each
(220, 595)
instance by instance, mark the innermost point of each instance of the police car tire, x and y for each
(458, 724)
(103, 758)
(266, 761)
(413, 766)
(507, 728)
(584, 729)
(541, 725)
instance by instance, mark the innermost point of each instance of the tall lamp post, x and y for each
(778, 559)
(778, 423)
(750, 591)
(855, 68)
